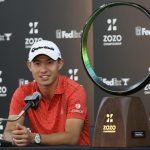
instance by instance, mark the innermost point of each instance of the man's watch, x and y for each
(37, 138)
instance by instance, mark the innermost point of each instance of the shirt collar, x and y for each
(60, 85)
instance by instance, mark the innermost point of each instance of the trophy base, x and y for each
(121, 122)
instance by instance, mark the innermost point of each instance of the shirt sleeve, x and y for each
(77, 107)
(17, 102)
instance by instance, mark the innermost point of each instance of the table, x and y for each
(70, 148)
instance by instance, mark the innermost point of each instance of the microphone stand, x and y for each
(31, 101)
(27, 106)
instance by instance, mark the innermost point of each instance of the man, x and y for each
(61, 116)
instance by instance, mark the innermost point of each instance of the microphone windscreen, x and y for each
(35, 94)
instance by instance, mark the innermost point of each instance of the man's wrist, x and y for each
(33, 137)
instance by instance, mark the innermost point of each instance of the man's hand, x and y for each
(22, 136)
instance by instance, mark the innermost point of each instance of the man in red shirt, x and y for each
(61, 116)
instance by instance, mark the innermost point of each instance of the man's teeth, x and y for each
(44, 76)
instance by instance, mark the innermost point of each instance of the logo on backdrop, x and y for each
(2, 1)
(33, 28)
(112, 39)
(116, 82)
(147, 87)
(1, 80)
(23, 81)
(1, 129)
(3, 89)
(141, 31)
(112, 24)
(5, 36)
(63, 34)
(73, 74)
(33, 33)
(1, 126)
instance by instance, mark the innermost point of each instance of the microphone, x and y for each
(31, 101)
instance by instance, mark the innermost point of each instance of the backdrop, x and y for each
(24, 22)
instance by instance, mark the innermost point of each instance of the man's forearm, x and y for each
(63, 138)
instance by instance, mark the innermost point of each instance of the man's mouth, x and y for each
(44, 77)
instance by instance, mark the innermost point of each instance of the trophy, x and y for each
(121, 119)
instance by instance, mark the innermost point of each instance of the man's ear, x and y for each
(28, 65)
(61, 63)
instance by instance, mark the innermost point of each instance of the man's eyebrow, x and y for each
(36, 60)
(50, 59)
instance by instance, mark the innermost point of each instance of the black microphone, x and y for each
(31, 101)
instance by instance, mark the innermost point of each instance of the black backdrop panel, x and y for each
(24, 22)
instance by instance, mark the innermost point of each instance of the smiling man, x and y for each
(61, 116)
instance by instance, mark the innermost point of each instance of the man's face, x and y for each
(45, 70)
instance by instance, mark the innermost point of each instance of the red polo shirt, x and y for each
(69, 101)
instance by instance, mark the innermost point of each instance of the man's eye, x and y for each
(50, 62)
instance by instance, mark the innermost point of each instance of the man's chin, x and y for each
(45, 83)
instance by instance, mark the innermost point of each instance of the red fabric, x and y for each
(69, 101)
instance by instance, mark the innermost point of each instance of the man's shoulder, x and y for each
(27, 88)
(22, 91)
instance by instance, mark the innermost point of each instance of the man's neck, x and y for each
(47, 91)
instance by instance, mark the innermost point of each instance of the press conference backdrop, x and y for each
(23, 22)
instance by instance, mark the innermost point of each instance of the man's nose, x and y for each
(44, 68)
